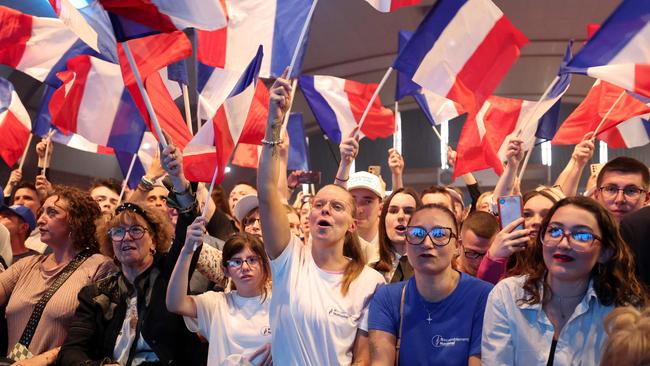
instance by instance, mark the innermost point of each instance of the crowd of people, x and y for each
(349, 275)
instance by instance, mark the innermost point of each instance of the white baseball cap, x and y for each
(245, 205)
(367, 181)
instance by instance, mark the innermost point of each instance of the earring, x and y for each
(152, 251)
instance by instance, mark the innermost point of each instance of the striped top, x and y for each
(25, 282)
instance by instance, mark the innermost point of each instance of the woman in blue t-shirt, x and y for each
(436, 317)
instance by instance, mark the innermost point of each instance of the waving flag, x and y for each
(15, 124)
(298, 157)
(274, 24)
(145, 156)
(386, 6)
(587, 116)
(39, 47)
(338, 105)
(215, 142)
(461, 51)
(94, 103)
(404, 86)
(634, 132)
(618, 52)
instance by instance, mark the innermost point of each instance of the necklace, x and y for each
(449, 291)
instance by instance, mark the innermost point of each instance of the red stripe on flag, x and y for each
(211, 47)
(169, 117)
(613, 138)
(500, 121)
(487, 66)
(255, 126)
(140, 11)
(642, 79)
(379, 121)
(223, 141)
(14, 138)
(246, 156)
(199, 167)
(396, 4)
(15, 31)
(470, 156)
(64, 106)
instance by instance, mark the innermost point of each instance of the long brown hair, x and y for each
(235, 244)
(614, 281)
(386, 257)
(351, 249)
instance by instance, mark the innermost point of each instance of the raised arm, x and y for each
(396, 165)
(154, 172)
(349, 148)
(569, 179)
(283, 185)
(14, 178)
(506, 181)
(275, 225)
(177, 300)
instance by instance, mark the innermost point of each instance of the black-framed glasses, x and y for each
(630, 192)
(238, 262)
(439, 235)
(471, 254)
(579, 240)
(118, 233)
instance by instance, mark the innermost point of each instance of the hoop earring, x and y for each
(152, 251)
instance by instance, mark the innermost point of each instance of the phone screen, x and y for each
(510, 210)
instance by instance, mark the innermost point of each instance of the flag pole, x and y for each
(188, 112)
(145, 96)
(602, 121)
(527, 154)
(372, 99)
(397, 136)
(285, 120)
(48, 140)
(126, 178)
(22, 159)
(437, 132)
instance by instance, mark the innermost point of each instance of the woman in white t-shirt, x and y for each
(235, 323)
(319, 310)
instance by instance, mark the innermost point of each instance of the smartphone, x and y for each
(510, 209)
(375, 169)
(309, 177)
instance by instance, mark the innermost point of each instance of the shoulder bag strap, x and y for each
(401, 320)
(30, 328)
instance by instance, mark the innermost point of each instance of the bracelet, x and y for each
(342, 180)
(272, 143)
(146, 184)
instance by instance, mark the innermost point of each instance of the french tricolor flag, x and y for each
(15, 124)
(634, 132)
(214, 143)
(37, 46)
(94, 103)
(461, 51)
(386, 6)
(618, 52)
(274, 24)
(338, 105)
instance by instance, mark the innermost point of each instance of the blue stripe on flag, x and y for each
(6, 90)
(562, 84)
(428, 32)
(621, 26)
(43, 121)
(404, 86)
(178, 72)
(249, 75)
(203, 75)
(298, 158)
(421, 100)
(289, 19)
(124, 161)
(77, 48)
(324, 114)
(549, 122)
(646, 125)
(128, 126)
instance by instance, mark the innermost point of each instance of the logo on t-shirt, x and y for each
(265, 331)
(440, 341)
(338, 312)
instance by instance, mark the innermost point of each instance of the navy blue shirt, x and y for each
(452, 335)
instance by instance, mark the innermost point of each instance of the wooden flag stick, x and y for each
(303, 32)
(188, 111)
(397, 136)
(145, 96)
(602, 121)
(126, 178)
(372, 99)
(22, 159)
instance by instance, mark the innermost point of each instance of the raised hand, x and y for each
(195, 233)
(514, 152)
(395, 162)
(349, 147)
(451, 157)
(583, 151)
(280, 98)
(509, 241)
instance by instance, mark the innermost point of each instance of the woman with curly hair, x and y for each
(67, 226)
(123, 319)
(578, 271)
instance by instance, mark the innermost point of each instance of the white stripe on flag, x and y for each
(636, 50)
(18, 110)
(236, 108)
(441, 108)
(633, 132)
(215, 92)
(201, 14)
(332, 89)
(620, 75)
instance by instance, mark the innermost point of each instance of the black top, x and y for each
(635, 229)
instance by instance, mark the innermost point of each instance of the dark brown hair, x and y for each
(614, 281)
(483, 224)
(625, 164)
(83, 213)
(109, 183)
(160, 228)
(444, 209)
(438, 189)
(386, 257)
(220, 200)
(235, 244)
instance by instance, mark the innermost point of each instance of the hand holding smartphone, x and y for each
(510, 209)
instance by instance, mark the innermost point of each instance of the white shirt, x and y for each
(126, 336)
(370, 249)
(5, 245)
(521, 334)
(312, 322)
(34, 242)
(234, 326)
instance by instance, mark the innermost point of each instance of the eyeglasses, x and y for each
(250, 221)
(440, 236)
(472, 254)
(238, 262)
(118, 233)
(630, 192)
(579, 240)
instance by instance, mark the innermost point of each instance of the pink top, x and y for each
(491, 269)
(25, 282)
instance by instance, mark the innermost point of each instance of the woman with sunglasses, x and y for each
(395, 213)
(123, 319)
(436, 317)
(578, 271)
(235, 323)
